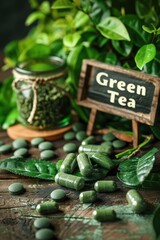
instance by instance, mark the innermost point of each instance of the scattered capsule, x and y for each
(88, 196)
(46, 145)
(81, 135)
(58, 164)
(107, 150)
(36, 141)
(102, 160)
(19, 143)
(70, 148)
(70, 181)
(98, 173)
(104, 214)
(45, 234)
(78, 126)
(106, 143)
(136, 201)
(69, 135)
(21, 152)
(105, 186)
(47, 154)
(42, 223)
(84, 164)
(118, 144)
(108, 137)
(58, 195)
(69, 163)
(88, 140)
(47, 207)
(16, 188)
(5, 148)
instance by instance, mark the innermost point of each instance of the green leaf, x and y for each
(34, 17)
(156, 131)
(134, 27)
(11, 118)
(145, 164)
(134, 171)
(151, 182)
(70, 40)
(128, 172)
(62, 4)
(156, 221)
(30, 168)
(113, 28)
(38, 51)
(123, 47)
(145, 54)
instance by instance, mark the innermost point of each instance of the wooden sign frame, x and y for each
(87, 81)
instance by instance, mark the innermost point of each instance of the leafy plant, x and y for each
(113, 32)
(155, 221)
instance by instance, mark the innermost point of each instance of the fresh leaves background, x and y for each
(113, 32)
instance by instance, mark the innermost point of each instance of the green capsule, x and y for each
(47, 154)
(96, 148)
(108, 137)
(58, 164)
(70, 148)
(58, 195)
(69, 163)
(104, 214)
(69, 135)
(16, 188)
(46, 145)
(42, 223)
(5, 148)
(36, 141)
(81, 135)
(70, 181)
(88, 140)
(19, 143)
(106, 143)
(88, 196)
(78, 126)
(102, 160)
(105, 186)
(47, 207)
(21, 152)
(136, 201)
(84, 165)
(45, 234)
(118, 144)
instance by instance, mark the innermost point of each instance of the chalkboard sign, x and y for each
(118, 91)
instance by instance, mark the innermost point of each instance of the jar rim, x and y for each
(57, 62)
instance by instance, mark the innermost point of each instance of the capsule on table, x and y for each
(88, 140)
(105, 186)
(88, 196)
(136, 201)
(104, 214)
(102, 160)
(47, 207)
(69, 163)
(107, 150)
(70, 181)
(84, 164)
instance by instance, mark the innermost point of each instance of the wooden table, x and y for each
(74, 220)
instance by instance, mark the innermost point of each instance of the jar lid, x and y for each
(41, 66)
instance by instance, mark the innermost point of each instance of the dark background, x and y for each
(13, 14)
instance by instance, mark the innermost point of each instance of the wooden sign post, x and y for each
(115, 90)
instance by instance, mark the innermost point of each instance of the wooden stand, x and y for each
(19, 131)
(118, 134)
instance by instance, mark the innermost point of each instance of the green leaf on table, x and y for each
(30, 168)
(151, 182)
(113, 28)
(145, 54)
(134, 171)
(156, 221)
(145, 164)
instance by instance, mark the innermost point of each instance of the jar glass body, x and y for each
(42, 97)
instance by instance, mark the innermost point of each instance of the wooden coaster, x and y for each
(19, 131)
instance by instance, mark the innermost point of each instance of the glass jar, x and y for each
(42, 96)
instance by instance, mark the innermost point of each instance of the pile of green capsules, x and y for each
(20, 148)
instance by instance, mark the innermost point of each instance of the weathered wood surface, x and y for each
(74, 220)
